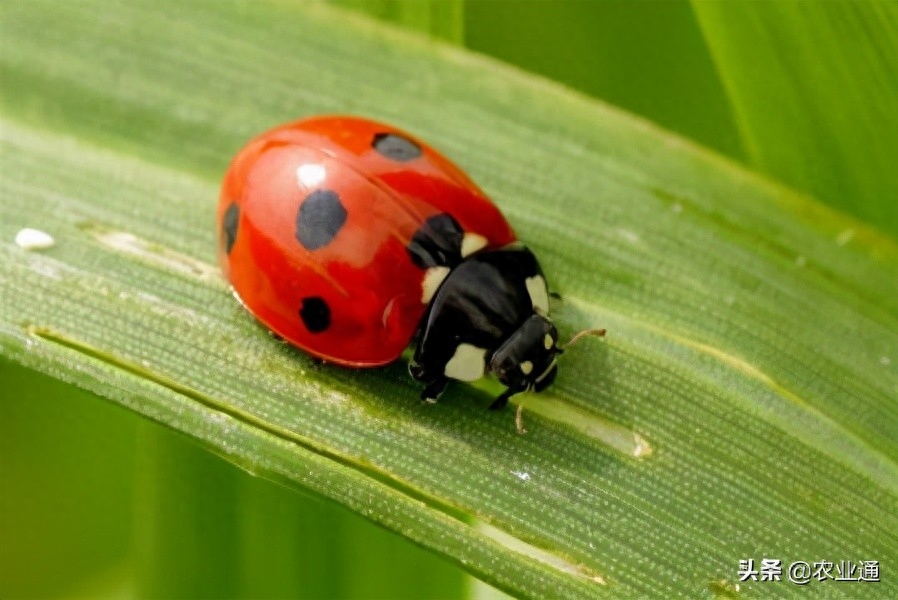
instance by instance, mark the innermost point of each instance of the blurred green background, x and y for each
(805, 93)
(83, 513)
(646, 57)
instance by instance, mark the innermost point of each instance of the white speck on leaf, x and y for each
(34, 239)
(522, 475)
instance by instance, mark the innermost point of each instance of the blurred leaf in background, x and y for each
(814, 86)
(97, 502)
(645, 57)
(67, 468)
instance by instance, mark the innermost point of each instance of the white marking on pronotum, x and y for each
(310, 175)
(471, 243)
(34, 239)
(467, 364)
(548, 342)
(539, 295)
(432, 280)
(526, 367)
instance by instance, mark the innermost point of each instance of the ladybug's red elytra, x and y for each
(351, 239)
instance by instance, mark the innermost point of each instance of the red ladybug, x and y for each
(349, 238)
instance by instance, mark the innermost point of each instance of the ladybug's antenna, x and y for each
(581, 335)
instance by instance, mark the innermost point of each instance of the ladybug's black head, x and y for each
(526, 360)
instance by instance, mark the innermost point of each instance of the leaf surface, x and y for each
(743, 403)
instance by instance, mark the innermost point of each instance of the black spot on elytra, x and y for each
(321, 216)
(315, 314)
(436, 243)
(396, 147)
(229, 226)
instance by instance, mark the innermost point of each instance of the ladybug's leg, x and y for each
(434, 389)
(502, 401)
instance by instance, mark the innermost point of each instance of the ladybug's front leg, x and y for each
(434, 390)
(502, 400)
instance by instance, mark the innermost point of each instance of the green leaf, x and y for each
(814, 86)
(439, 18)
(647, 57)
(742, 406)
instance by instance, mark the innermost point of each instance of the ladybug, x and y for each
(351, 239)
